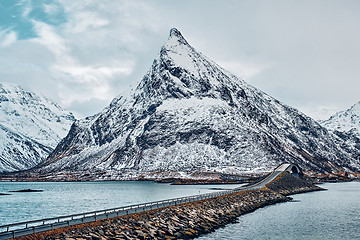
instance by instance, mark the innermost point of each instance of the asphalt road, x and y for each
(82, 218)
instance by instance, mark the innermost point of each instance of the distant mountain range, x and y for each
(345, 121)
(346, 126)
(188, 114)
(31, 126)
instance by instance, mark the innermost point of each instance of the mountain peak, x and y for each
(174, 32)
(188, 114)
(176, 38)
(181, 72)
(31, 126)
(345, 120)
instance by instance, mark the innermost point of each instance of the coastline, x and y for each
(185, 221)
(200, 178)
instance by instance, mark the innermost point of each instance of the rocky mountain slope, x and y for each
(189, 114)
(346, 126)
(30, 127)
(345, 121)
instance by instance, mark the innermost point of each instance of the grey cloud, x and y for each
(305, 53)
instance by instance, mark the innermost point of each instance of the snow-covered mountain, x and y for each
(346, 126)
(30, 127)
(345, 121)
(189, 114)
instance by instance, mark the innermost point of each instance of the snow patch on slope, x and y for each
(189, 114)
(345, 121)
(31, 126)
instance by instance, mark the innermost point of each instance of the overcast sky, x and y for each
(83, 53)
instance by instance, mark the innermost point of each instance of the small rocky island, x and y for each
(28, 190)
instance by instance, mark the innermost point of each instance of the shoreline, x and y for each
(185, 221)
(316, 178)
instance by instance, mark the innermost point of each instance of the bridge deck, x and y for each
(283, 167)
(25, 228)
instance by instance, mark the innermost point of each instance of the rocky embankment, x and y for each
(287, 184)
(185, 221)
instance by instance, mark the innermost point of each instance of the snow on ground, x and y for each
(31, 125)
(345, 120)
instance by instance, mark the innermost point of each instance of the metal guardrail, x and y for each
(24, 228)
(13, 230)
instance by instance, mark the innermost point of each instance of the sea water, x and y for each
(331, 214)
(66, 198)
(325, 215)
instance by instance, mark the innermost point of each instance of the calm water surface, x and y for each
(332, 214)
(65, 198)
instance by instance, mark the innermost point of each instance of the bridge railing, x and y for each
(56, 222)
(130, 208)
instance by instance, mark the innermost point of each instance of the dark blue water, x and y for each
(332, 214)
(65, 198)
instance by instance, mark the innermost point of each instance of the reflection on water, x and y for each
(65, 198)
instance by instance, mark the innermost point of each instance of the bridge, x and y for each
(11, 231)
